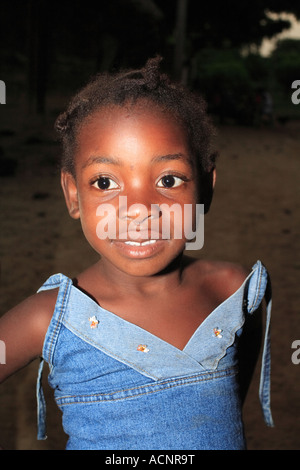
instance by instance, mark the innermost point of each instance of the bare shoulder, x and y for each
(231, 276)
(23, 330)
(222, 276)
(35, 310)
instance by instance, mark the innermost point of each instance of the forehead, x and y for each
(113, 128)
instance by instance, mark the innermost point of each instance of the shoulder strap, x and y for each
(265, 375)
(259, 287)
(64, 284)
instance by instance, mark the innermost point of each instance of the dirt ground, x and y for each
(254, 215)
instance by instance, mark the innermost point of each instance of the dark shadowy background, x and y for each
(48, 50)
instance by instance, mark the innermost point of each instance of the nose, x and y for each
(138, 212)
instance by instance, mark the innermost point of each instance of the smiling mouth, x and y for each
(139, 249)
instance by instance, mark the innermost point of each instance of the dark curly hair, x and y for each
(128, 87)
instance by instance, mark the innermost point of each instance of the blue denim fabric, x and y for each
(115, 396)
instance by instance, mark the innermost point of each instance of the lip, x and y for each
(139, 249)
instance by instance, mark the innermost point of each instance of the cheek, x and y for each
(106, 221)
(88, 219)
(177, 220)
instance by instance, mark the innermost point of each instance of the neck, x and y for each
(168, 279)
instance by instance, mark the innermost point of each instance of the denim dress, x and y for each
(121, 387)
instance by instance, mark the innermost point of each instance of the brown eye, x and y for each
(170, 181)
(105, 183)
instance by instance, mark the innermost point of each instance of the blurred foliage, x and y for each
(236, 85)
(229, 23)
(222, 70)
(225, 80)
(55, 46)
(125, 32)
(286, 62)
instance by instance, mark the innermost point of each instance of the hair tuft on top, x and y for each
(153, 77)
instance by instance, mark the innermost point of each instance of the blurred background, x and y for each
(243, 57)
(50, 48)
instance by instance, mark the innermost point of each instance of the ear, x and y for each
(207, 188)
(71, 195)
(214, 177)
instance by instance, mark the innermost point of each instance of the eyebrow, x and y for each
(172, 156)
(92, 160)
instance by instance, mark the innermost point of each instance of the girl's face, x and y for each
(132, 164)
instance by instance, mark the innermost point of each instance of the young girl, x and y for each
(146, 347)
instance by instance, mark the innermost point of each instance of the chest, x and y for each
(173, 317)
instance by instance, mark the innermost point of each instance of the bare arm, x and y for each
(23, 331)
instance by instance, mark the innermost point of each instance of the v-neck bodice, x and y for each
(121, 338)
(87, 345)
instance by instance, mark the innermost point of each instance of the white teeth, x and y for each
(132, 243)
(149, 242)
